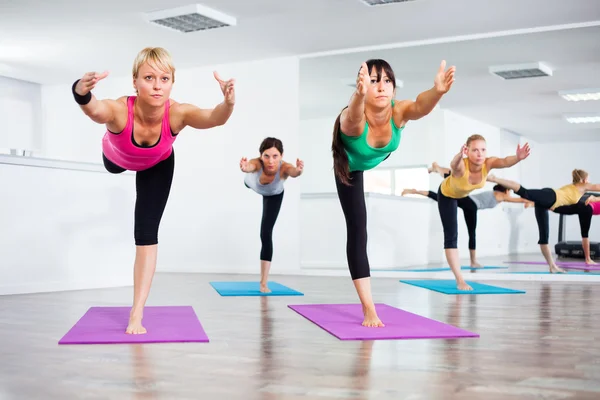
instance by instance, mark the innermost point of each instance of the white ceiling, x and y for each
(55, 41)
(52, 41)
(530, 107)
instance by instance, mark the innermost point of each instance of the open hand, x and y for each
(591, 199)
(464, 150)
(88, 82)
(227, 87)
(444, 79)
(523, 152)
(244, 164)
(299, 165)
(363, 80)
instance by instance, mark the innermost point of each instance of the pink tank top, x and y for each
(595, 207)
(121, 150)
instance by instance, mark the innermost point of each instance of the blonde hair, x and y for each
(473, 138)
(154, 55)
(579, 175)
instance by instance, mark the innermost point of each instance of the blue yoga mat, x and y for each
(252, 289)
(449, 287)
(464, 267)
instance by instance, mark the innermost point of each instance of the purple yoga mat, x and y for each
(563, 264)
(344, 322)
(106, 325)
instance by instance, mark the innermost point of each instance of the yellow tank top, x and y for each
(458, 188)
(566, 196)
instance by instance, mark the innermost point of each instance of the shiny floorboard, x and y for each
(544, 344)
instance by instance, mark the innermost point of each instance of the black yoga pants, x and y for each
(153, 186)
(271, 207)
(543, 221)
(352, 200)
(448, 209)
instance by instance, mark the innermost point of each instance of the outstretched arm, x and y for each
(290, 171)
(426, 101)
(200, 118)
(457, 165)
(507, 162)
(99, 111)
(352, 119)
(592, 186)
(249, 166)
(510, 199)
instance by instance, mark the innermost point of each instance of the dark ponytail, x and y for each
(341, 165)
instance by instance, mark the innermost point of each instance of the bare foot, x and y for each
(590, 262)
(135, 326)
(476, 265)
(555, 269)
(371, 319)
(264, 288)
(463, 286)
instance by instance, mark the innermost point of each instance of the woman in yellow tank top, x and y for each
(468, 173)
(556, 200)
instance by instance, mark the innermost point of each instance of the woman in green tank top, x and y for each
(366, 132)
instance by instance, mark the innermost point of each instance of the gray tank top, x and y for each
(484, 199)
(252, 180)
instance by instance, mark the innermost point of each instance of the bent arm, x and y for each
(102, 111)
(201, 118)
(253, 165)
(352, 119)
(290, 171)
(425, 102)
(457, 165)
(499, 163)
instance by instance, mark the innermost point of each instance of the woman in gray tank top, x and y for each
(471, 204)
(266, 175)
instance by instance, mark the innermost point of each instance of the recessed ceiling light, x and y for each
(191, 18)
(521, 71)
(580, 94)
(582, 118)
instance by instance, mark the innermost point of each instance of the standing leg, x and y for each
(271, 207)
(447, 208)
(352, 200)
(470, 212)
(153, 187)
(543, 221)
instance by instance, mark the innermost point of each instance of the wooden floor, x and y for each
(544, 344)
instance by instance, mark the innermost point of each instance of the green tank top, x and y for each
(361, 156)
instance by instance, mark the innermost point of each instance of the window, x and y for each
(393, 181)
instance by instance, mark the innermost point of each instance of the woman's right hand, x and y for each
(244, 164)
(88, 82)
(363, 80)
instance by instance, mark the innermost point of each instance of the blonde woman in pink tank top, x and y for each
(140, 132)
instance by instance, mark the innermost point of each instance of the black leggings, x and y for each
(543, 221)
(448, 209)
(544, 199)
(153, 186)
(352, 200)
(470, 213)
(271, 207)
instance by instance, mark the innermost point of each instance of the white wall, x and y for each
(64, 229)
(20, 115)
(212, 221)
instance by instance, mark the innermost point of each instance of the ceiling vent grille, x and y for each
(191, 18)
(383, 2)
(521, 71)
